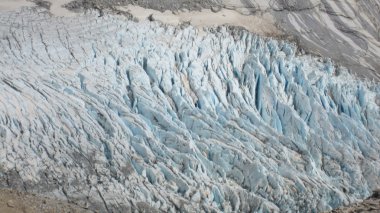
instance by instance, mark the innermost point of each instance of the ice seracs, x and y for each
(119, 115)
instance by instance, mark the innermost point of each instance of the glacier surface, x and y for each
(118, 115)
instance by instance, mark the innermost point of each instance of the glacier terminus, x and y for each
(118, 115)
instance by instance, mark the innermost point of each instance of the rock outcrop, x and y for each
(371, 204)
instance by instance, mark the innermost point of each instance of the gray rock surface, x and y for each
(371, 204)
(347, 31)
(12, 201)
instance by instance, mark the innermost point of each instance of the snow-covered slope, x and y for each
(117, 115)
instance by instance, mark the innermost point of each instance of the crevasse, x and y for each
(122, 115)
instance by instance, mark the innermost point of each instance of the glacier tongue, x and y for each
(119, 115)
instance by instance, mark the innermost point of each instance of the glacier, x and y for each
(118, 115)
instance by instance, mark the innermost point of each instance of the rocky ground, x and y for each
(12, 201)
(371, 204)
